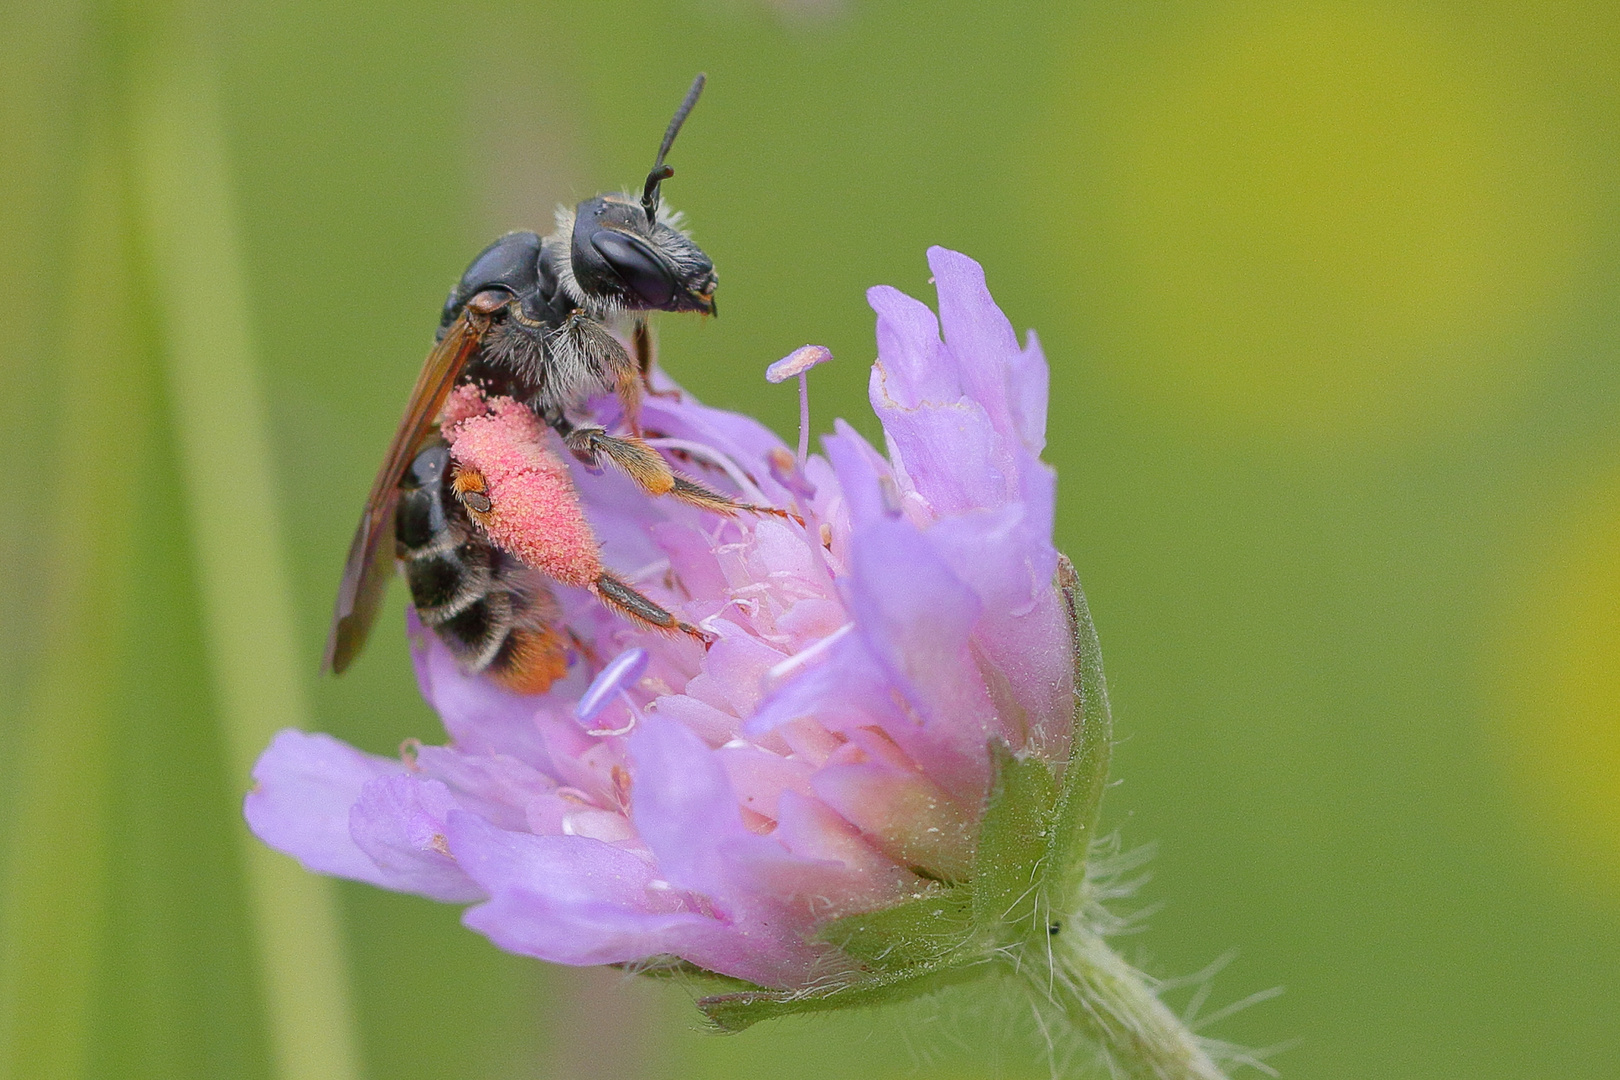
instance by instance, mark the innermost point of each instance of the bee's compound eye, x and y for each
(477, 501)
(636, 265)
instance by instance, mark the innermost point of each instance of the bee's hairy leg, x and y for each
(641, 340)
(473, 493)
(690, 491)
(628, 388)
(580, 440)
(623, 598)
(640, 462)
(652, 473)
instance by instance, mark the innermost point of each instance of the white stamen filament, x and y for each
(804, 417)
(804, 657)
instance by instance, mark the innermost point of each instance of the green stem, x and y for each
(190, 239)
(1112, 1003)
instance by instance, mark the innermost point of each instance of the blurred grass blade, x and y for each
(189, 232)
(56, 893)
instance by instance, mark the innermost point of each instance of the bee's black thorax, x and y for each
(551, 346)
(512, 360)
(545, 349)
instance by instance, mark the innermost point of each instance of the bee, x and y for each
(531, 319)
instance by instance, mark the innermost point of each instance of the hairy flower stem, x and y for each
(1113, 1004)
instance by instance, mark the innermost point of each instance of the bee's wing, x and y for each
(365, 575)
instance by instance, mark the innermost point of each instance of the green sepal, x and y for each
(916, 934)
(1085, 777)
(674, 969)
(731, 1013)
(1013, 842)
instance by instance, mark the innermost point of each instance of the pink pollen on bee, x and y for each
(535, 512)
(464, 402)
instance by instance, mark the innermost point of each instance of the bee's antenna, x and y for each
(661, 172)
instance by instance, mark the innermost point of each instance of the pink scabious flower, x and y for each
(810, 804)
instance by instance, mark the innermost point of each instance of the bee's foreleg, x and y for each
(628, 389)
(586, 357)
(641, 340)
(646, 350)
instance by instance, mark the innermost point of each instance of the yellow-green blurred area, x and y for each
(1331, 296)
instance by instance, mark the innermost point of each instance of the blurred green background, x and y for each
(1331, 295)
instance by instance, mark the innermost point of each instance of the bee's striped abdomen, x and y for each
(494, 613)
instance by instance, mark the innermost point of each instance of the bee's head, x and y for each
(632, 254)
(638, 262)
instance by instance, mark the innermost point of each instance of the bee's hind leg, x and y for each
(623, 598)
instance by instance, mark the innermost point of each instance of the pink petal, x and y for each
(918, 366)
(976, 332)
(498, 788)
(303, 787)
(399, 822)
(569, 899)
(481, 716)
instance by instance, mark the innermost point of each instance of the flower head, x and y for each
(834, 753)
